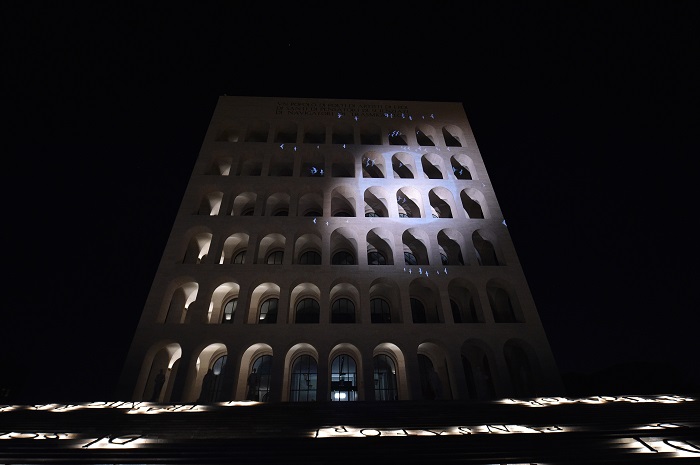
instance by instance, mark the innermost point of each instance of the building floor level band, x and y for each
(338, 250)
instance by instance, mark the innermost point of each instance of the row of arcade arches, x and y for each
(402, 165)
(399, 132)
(378, 202)
(413, 248)
(343, 373)
(305, 303)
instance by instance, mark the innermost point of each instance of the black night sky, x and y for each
(585, 114)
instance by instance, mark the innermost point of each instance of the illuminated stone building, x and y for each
(338, 250)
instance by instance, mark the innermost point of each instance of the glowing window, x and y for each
(259, 379)
(304, 379)
(385, 387)
(343, 379)
(268, 311)
(229, 310)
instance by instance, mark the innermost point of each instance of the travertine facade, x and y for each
(339, 250)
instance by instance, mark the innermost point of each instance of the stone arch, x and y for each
(392, 350)
(297, 350)
(432, 166)
(473, 202)
(351, 350)
(415, 241)
(426, 292)
(504, 302)
(343, 201)
(260, 294)
(197, 248)
(373, 165)
(388, 290)
(244, 204)
(478, 365)
(164, 356)
(486, 252)
(434, 376)
(221, 295)
(376, 202)
(403, 165)
(425, 135)
(277, 204)
(409, 202)
(464, 301)
(523, 368)
(208, 386)
(308, 242)
(269, 244)
(343, 239)
(442, 203)
(345, 290)
(180, 297)
(463, 167)
(380, 240)
(453, 136)
(310, 204)
(235, 249)
(300, 292)
(450, 243)
(210, 204)
(250, 355)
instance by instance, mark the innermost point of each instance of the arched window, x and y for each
(343, 258)
(409, 258)
(304, 379)
(376, 258)
(418, 311)
(343, 379)
(385, 378)
(275, 258)
(229, 310)
(239, 258)
(469, 313)
(501, 305)
(430, 384)
(310, 257)
(259, 379)
(213, 381)
(456, 314)
(268, 311)
(307, 311)
(313, 213)
(343, 311)
(381, 311)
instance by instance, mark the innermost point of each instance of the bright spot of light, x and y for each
(339, 395)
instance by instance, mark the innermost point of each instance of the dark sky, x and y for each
(584, 113)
